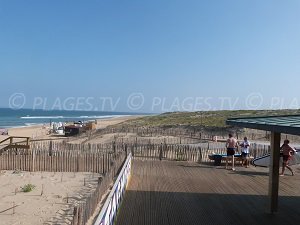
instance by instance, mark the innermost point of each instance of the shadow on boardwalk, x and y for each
(177, 193)
(162, 208)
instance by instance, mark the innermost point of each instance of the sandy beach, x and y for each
(53, 194)
(50, 200)
(42, 131)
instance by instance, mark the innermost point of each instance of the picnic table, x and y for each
(218, 158)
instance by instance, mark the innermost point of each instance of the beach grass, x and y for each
(201, 118)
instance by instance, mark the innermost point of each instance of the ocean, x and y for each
(27, 117)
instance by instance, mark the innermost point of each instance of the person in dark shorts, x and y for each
(231, 146)
(245, 145)
(287, 151)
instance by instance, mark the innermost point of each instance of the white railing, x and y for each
(109, 211)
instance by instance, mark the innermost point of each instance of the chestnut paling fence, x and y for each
(84, 211)
(202, 133)
(63, 157)
(195, 153)
(106, 160)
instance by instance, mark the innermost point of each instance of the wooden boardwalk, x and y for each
(183, 193)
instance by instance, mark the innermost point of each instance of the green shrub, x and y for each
(28, 188)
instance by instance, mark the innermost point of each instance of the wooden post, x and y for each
(75, 216)
(200, 155)
(80, 215)
(33, 161)
(274, 172)
(161, 152)
(114, 147)
(50, 148)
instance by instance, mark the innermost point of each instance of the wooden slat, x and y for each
(185, 193)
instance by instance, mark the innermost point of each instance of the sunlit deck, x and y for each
(183, 193)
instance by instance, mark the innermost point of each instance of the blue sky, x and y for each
(169, 49)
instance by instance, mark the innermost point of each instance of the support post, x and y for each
(274, 172)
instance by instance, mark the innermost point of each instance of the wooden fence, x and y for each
(156, 140)
(105, 159)
(63, 157)
(158, 131)
(190, 131)
(193, 153)
(60, 161)
(85, 211)
(200, 133)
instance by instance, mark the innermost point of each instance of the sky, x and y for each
(150, 56)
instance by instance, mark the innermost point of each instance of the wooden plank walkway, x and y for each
(183, 193)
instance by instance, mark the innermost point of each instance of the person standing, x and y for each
(231, 146)
(287, 151)
(245, 152)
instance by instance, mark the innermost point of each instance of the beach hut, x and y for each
(72, 130)
(277, 125)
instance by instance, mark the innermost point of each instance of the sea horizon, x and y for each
(10, 118)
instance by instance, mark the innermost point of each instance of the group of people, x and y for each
(232, 145)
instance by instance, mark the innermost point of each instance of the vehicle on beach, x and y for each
(60, 130)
